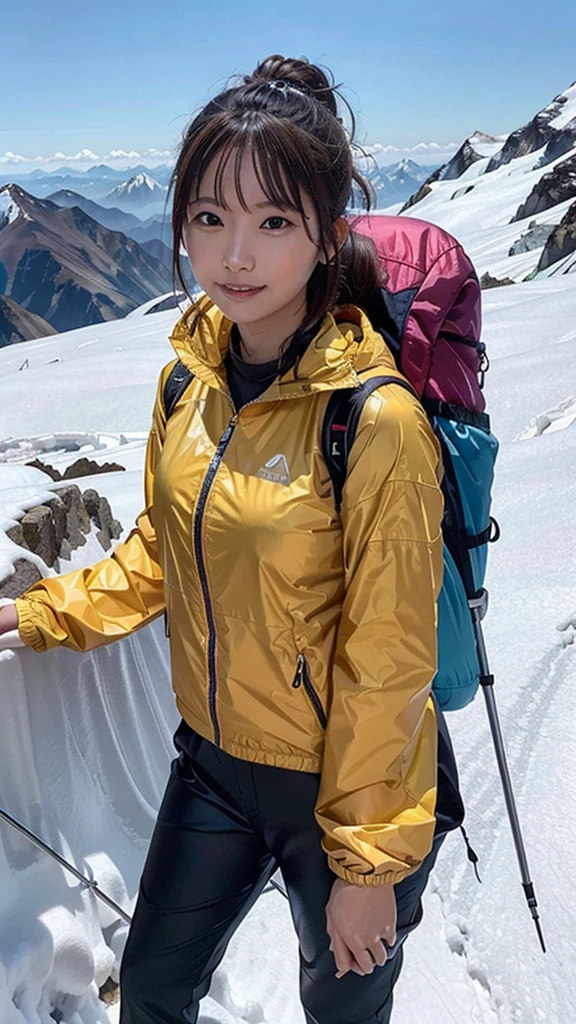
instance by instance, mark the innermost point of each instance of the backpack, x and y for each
(428, 313)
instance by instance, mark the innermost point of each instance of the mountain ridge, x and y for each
(67, 267)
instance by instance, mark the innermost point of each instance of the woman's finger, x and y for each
(377, 950)
(342, 955)
(363, 958)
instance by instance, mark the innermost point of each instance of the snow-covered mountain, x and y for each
(137, 192)
(393, 183)
(511, 199)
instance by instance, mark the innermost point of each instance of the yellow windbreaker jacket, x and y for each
(299, 638)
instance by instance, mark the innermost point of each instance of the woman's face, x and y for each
(253, 263)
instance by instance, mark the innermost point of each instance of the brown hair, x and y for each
(285, 114)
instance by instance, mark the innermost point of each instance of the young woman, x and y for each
(303, 642)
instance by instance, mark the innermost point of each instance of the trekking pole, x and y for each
(478, 607)
(87, 883)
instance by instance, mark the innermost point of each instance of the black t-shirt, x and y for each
(246, 380)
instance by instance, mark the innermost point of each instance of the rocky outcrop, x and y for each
(18, 324)
(467, 155)
(100, 513)
(537, 133)
(562, 241)
(424, 190)
(555, 187)
(81, 467)
(487, 281)
(536, 236)
(562, 142)
(55, 529)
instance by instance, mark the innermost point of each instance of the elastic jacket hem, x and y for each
(296, 762)
(380, 878)
(27, 631)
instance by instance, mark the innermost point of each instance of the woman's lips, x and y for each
(238, 292)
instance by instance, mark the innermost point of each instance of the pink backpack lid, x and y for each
(433, 296)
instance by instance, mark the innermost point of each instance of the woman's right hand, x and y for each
(9, 636)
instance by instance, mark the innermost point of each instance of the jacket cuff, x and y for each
(27, 631)
(373, 878)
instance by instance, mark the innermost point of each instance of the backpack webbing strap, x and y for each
(176, 383)
(450, 411)
(341, 423)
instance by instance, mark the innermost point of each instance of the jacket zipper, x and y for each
(302, 678)
(199, 554)
(197, 535)
(204, 492)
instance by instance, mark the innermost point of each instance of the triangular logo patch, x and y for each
(276, 470)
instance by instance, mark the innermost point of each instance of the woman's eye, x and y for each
(210, 220)
(275, 223)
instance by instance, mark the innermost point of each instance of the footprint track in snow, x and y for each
(528, 712)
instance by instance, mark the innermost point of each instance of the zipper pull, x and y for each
(299, 677)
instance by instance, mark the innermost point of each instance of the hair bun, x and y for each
(299, 73)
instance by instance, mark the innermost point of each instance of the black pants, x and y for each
(224, 827)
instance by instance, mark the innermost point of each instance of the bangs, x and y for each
(277, 158)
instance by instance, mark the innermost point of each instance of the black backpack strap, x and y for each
(341, 423)
(176, 383)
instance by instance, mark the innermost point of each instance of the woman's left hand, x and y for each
(358, 917)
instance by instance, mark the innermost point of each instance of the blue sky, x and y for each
(129, 75)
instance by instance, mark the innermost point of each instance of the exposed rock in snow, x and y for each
(10, 208)
(536, 236)
(487, 281)
(477, 147)
(555, 187)
(558, 117)
(562, 241)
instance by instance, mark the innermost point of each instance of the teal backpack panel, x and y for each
(469, 454)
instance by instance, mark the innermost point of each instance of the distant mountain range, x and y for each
(142, 191)
(64, 266)
(391, 184)
(72, 261)
(112, 217)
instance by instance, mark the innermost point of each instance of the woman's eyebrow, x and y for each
(266, 204)
(204, 199)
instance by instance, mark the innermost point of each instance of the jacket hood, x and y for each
(345, 346)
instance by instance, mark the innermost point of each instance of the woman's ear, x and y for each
(341, 232)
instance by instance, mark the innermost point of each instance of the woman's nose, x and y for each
(238, 256)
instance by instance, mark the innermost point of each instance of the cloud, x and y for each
(421, 147)
(13, 158)
(85, 156)
(122, 154)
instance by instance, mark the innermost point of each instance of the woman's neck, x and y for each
(261, 341)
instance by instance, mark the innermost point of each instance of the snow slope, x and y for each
(85, 739)
(480, 218)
